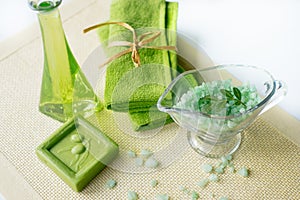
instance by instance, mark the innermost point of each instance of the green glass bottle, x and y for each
(61, 70)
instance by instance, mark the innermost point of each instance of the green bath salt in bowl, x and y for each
(220, 98)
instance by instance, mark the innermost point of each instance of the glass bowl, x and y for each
(214, 134)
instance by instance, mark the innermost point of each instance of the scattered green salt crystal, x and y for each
(203, 183)
(111, 183)
(213, 178)
(181, 188)
(162, 197)
(224, 160)
(131, 154)
(219, 170)
(131, 195)
(243, 172)
(231, 169)
(222, 165)
(187, 191)
(230, 164)
(219, 164)
(224, 198)
(154, 183)
(139, 161)
(145, 153)
(207, 168)
(195, 195)
(151, 163)
(228, 157)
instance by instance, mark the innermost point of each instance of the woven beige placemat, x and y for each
(274, 161)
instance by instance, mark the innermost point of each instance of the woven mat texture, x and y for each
(274, 161)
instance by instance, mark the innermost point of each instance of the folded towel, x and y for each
(138, 14)
(122, 77)
(142, 121)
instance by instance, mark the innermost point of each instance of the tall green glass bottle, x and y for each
(61, 70)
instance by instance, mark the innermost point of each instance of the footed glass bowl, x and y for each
(214, 132)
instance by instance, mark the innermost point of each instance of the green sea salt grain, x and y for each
(213, 178)
(207, 168)
(219, 170)
(228, 157)
(230, 164)
(162, 197)
(139, 161)
(111, 183)
(181, 188)
(224, 198)
(195, 195)
(154, 183)
(224, 160)
(151, 163)
(243, 172)
(223, 166)
(145, 153)
(203, 183)
(131, 154)
(187, 191)
(131, 195)
(231, 169)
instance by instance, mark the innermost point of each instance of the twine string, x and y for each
(138, 43)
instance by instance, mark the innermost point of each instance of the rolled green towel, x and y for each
(122, 78)
(142, 121)
(138, 14)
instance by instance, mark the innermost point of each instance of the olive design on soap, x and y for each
(76, 138)
(78, 149)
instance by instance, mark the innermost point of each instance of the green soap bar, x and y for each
(77, 152)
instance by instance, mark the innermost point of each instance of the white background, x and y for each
(265, 33)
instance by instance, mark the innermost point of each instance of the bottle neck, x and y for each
(56, 49)
(51, 26)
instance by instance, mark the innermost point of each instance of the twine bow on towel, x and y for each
(138, 43)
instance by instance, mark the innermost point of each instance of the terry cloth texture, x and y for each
(126, 90)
